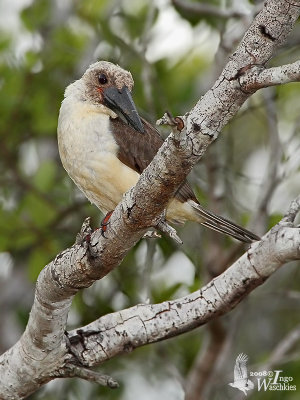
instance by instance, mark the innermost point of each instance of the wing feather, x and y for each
(137, 150)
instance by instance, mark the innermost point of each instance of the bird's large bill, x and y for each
(122, 103)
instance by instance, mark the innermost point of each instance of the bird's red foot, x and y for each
(103, 227)
(105, 222)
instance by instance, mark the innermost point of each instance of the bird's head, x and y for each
(109, 85)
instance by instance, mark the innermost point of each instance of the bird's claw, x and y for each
(105, 222)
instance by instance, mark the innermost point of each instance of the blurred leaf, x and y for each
(194, 18)
(273, 220)
(31, 58)
(37, 261)
(92, 10)
(162, 294)
(37, 210)
(5, 41)
(36, 15)
(45, 177)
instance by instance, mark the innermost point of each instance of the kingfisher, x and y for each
(105, 145)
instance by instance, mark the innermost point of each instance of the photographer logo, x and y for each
(273, 380)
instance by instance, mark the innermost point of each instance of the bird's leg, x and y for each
(105, 222)
(86, 231)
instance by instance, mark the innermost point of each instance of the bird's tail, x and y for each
(223, 225)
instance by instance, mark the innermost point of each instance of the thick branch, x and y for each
(142, 324)
(141, 206)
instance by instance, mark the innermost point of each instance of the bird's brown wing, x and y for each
(137, 150)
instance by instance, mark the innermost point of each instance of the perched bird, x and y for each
(104, 146)
(240, 374)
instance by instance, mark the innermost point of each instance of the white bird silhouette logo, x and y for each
(240, 374)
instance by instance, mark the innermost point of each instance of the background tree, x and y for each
(250, 174)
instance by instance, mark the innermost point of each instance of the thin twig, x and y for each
(72, 371)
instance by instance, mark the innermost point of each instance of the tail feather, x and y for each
(223, 225)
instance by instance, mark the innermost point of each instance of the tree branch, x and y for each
(281, 350)
(257, 77)
(89, 375)
(142, 324)
(44, 350)
(202, 370)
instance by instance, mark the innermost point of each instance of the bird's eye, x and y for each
(102, 78)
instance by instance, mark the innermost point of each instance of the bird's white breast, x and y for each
(89, 153)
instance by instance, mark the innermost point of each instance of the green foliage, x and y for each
(165, 293)
(274, 219)
(194, 17)
(36, 16)
(44, 179)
